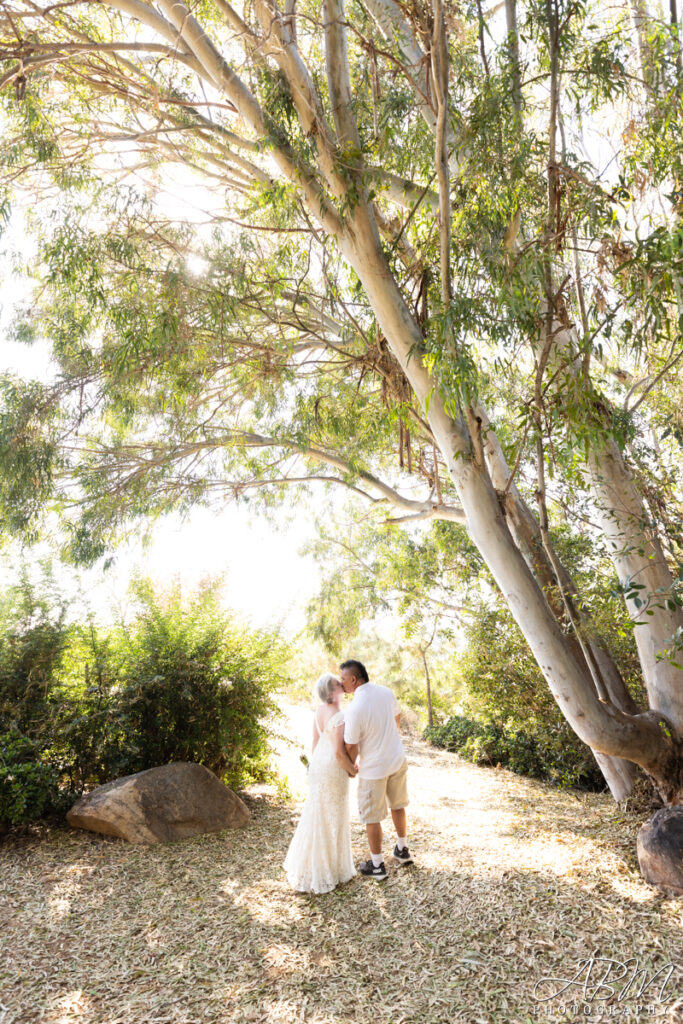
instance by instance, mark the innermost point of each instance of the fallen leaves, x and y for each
(517, 881)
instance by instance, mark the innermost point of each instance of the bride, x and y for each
(319, 855)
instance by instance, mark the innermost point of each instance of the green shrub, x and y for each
(521, 750)
(194, 686)
(183, 681)
(29, 788)
(32, 639)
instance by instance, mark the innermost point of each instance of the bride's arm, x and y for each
(340, 751)
(315, 734)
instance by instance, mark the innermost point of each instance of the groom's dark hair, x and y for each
(358, 667)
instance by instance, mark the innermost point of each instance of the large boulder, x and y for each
(660, 849)
(160, 805)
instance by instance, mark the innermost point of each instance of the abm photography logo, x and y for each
(600, 987)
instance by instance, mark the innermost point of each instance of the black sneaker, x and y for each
(368, 869)
(403, 856)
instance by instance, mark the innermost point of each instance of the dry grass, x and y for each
(514, 881)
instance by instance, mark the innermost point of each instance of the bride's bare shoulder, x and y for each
(324, 714)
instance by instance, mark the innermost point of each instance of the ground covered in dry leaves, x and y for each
(514, 882)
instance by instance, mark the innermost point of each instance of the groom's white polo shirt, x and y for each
(370, 721)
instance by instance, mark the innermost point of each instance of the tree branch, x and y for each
(236, 438)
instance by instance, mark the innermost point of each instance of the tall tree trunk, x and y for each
(622, 510)
(639, 559)
(634, 547)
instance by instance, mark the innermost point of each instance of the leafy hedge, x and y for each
(29, 787)
(523, 751)
(81, 705)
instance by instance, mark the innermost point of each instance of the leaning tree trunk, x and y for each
(635, 550)
(646, 739)
(643, 572)
(619, 773)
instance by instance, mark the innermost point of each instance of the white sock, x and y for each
(401, 841)
(377, 859)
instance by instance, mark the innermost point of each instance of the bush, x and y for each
(29, 788)
(32, 640)
(493, 743)
(194, 686)
(184, 681)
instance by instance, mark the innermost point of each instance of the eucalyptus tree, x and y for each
(442, 231)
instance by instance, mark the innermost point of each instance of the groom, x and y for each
(371, 730)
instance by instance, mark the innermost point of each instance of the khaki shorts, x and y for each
(373, 795)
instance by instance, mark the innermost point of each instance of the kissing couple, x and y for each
(362, 740)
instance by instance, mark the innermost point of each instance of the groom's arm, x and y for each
(351, 736)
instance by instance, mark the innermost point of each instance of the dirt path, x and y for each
(515, 881)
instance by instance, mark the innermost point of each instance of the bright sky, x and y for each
(266, 579)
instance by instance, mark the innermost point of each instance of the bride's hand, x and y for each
(353, 771)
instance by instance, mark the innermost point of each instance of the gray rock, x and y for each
(160, 805)
(660, 849)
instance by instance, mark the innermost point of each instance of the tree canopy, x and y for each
(430, 252)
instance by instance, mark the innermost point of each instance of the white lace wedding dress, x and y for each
(319, 855)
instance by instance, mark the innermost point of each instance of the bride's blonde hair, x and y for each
(324, 688)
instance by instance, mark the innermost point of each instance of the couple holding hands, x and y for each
(367, 732)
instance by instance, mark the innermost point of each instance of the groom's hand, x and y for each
(352, 751)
